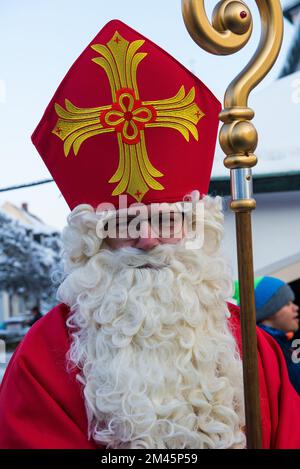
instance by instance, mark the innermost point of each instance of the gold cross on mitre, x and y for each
(128, 116)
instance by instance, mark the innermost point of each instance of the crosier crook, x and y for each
(229, 31)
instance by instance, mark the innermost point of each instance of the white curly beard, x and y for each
(159, 365)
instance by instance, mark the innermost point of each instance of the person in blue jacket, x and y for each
(277, 314)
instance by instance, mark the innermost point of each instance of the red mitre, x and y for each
(128, 119)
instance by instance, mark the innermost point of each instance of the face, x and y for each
(158, 359)
(286, 319)
(152, 230)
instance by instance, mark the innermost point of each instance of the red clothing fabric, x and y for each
(42, 406)
(280, 403)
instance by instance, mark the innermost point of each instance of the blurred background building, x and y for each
(292, 14)
(29, 255)
(276, 220)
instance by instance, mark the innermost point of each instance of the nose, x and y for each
(145, 240)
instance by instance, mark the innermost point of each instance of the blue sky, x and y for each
(39, 41)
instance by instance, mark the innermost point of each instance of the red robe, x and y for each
(42, 406)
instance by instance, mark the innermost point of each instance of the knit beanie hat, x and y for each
(271, 294)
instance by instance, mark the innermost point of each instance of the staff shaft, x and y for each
(248, 321)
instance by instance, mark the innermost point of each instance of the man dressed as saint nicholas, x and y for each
(143, 350)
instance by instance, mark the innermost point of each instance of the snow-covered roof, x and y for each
(291, 11)
(292, 61)
(289, 4)
(26, 218)
(277, 117)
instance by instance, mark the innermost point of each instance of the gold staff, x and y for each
(230, 30)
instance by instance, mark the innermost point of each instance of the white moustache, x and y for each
(129, 257)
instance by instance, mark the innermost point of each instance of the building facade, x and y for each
(292, 14)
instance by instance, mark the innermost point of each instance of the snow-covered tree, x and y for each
(26, 265)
